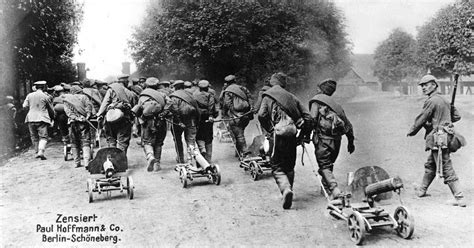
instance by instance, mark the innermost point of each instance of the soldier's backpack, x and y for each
(151, 108)
(329, 122)
(286, 126)
(240, 104)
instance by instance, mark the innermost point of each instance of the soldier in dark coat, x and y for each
(237, 105)
(61, 117)
(279, 105)
(39, 117)
(207, 107)
(118, 123)
(151, 109)
(327, 140)
(437, 114)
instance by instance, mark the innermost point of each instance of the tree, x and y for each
(394, 58)
(444, 44)
(213, 39)
(40, 35)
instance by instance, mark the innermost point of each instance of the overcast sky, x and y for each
(107, 26)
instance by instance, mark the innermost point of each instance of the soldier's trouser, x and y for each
(449, 174)
(326, 152)
(80, 135)
(38, 130)
(204, 138)
(63, 128)
(154, 134)
(237, 131)
(283, 161)
(119, 134)
(283, 179)
(177, 131)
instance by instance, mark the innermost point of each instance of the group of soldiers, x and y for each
(190, 108)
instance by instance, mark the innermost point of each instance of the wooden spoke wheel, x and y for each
(90, 189)
(216, 174)
(253, 168)
(405, 221)
(130, 187)
(183, 177)
(356, 226)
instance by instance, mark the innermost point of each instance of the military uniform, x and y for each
(437, 112)
(327, 143)
(39, 117)
(153, 106)
(241, 112)
(61, 117)
(118, 133)
(186, 118)
(78, 108)
(207, 107)
(277, 103)
(95, 98)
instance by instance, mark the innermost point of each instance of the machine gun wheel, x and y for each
(405, 221)
(216, 174)
(183, 177)
(90, 189)
(356, 226)
(130, 187)
(253, 167)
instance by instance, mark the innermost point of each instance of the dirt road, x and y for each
(241, 212)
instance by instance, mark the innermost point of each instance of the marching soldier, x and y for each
(237, 105)
(61, 117)
(435, 117)
(39, 117)
(151, 110)
(207, 107)
(280, 114)
(186, 118)
(330, 123)
(116, 106)
(78, 109)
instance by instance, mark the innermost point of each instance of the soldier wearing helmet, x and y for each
(437, 114)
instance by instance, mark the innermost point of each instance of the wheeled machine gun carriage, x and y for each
(259, 160)
(197, 167)
(363, 217)
(108, 167)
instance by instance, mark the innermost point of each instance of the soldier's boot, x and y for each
(331, 183)
(208, 155)
(41, 148)
(284, 185)
(76, 154)
(457, 193)
(86, 154)
(150, 157)
(425, 183)
(157, 165)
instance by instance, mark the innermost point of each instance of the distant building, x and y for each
(360, 78)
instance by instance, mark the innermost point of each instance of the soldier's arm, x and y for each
(26, 103)
(105, 103)
(422, 118)
(264, 115)
(89, 106)
(249, 96)
(167, 108)
(314, 112)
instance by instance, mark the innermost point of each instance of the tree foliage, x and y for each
(253, 40)
(394, 57)
(41, 34)
(445, 43)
